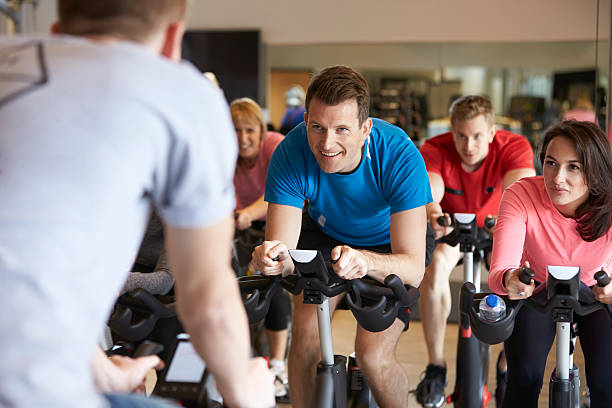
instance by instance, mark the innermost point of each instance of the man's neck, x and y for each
(470, 168)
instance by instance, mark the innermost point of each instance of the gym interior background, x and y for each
(532, 59)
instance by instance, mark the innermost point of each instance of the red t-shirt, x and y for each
(478, 192)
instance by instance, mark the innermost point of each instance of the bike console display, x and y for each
(183, 377)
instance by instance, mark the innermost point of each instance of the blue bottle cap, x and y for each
(492, 300)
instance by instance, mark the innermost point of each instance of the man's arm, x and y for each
(210, 308)
(434, 210)
(516, 174)
(283, 225)
(407, 259)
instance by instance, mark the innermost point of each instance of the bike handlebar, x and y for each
(374, 304)
(562, 305)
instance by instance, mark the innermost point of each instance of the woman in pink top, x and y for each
(255, 148)
(560, 218)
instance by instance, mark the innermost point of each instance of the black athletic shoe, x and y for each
(430, 391)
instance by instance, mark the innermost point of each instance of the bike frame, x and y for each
(472, 354)
(564, 386)
(563, 300)
(330, 381)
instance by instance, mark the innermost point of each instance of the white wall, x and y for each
(392, 21)
(362, 21)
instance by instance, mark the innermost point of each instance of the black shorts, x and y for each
(311, 237)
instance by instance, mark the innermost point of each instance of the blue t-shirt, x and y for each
(353, 208)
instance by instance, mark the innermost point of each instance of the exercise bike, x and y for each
(147, 326)
(472, 355)
(374, 305)
(565, 295)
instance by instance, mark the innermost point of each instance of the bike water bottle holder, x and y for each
(257, 292)
(136, 314)
(375, 316)
(375, 305)
(486, 331)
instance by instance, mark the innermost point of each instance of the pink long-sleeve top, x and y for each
(530, 228)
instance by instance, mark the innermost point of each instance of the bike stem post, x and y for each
(563, 350)
(325, 336)
(468, 267)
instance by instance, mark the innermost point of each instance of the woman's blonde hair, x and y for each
(248, 109)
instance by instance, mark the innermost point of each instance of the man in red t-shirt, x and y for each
(468, 169)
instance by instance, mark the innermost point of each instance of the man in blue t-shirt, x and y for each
(366, 186)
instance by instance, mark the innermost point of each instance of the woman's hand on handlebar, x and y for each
(243, 220)
(440, 230)
(517, 289)
(349, 263)
(272, 258)
(603, 294)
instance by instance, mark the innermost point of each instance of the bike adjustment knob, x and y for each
(489, 222)
(602, 278)
(526, 275)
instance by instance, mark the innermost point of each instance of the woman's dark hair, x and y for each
(594, 216)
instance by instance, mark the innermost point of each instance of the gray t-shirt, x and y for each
(92, 135)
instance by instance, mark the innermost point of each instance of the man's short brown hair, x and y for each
(470, 106)
(133, 20)
(337, 84)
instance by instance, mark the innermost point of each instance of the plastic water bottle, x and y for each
(492, 308)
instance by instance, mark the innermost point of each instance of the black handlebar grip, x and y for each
(466, 298)
(442, 221)
(399, 290)
(602, 278)
(489, 222)
(526, 275)
(148, 348)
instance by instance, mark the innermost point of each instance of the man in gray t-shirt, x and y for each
(97, 128)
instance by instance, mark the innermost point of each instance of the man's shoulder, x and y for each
(388, 137)
(504, 138)
(440, 146)
(384, 129)
(292, 150)
(296, 137)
